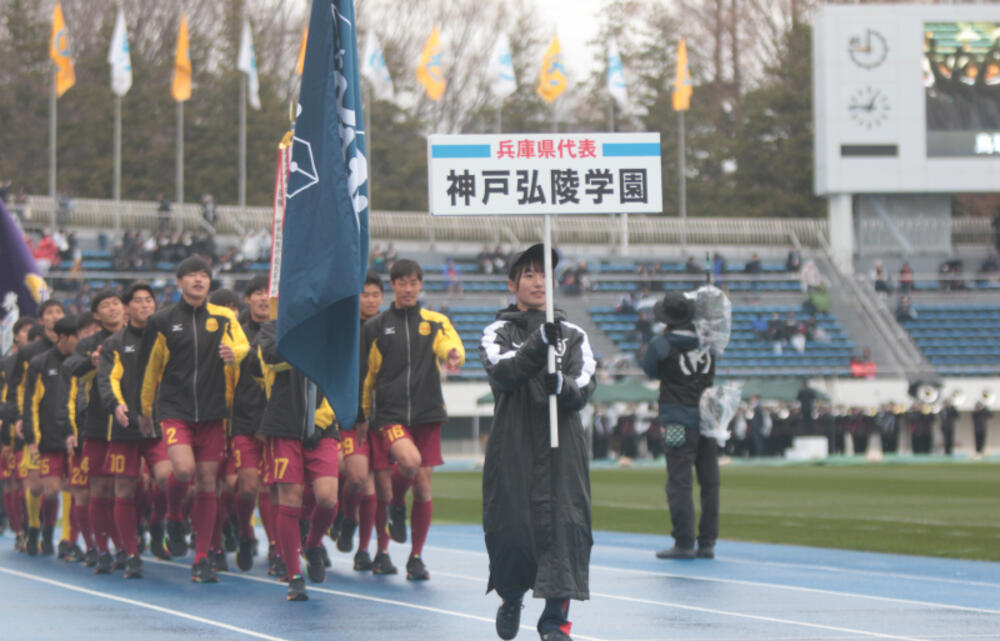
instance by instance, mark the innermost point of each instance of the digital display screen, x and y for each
(961, 66)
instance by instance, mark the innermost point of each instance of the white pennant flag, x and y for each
(501, 69)
(616, 75)
(119, 57)
(374, 68)
(247, 63)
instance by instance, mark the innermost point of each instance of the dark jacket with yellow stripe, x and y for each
(79, 366)
(19, 375)
(8, 411)
(183, 372)
(45, 419)
(119, 380)
(285, 413)
(249, 400)
(402, 377)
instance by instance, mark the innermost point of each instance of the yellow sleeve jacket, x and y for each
(180, 363)
(404, 349)
(45, 420)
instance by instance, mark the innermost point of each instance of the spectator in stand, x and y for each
(627, 302)
(990, 269)
(904, 311)
(718, 267)
(881, 279)
(863, 366)
(569, 284)
(776, 332)
(484, 259)
(208, 212)
(691, 267)
(64, 209)
(794, 332)
(499, 260)
(950, 275)
(163, 212)
(390, 256)
(794, 261)
(905, 278)
(815, 332)
(759, 325)
(980, 423)
(451, 277)
(46, 253)
(378, 260)
(583, 275)
(643, 330)
(810, 277)
(753, 266)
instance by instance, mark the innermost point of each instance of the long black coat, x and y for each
(536, 500)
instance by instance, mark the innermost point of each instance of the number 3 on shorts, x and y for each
(280, 466)
(171, 436)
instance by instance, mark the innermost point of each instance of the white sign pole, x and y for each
(549, 318)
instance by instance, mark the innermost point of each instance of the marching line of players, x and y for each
(186, 419)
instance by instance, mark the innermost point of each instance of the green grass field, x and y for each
(948, 510)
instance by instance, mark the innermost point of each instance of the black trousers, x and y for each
(697, 454)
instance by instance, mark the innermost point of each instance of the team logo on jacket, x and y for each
(212, 325)
(389, 331)
(130, 349)
(52, 372)
(696, 361)
(177, 328)
(424, 328)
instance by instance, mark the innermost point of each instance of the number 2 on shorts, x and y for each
(171, 436)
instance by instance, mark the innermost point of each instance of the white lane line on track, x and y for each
(830, 568)
(142, 604)
(777, 586)
(365, 597)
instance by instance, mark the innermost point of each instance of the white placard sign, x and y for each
(510, 174)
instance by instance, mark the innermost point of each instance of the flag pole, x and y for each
(52, 138)
(682, 194)
(180, 162)
(549, 318)
(243, 147)
(117, 189)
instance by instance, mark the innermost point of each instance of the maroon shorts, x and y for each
(52, 464)
(79, 470)
(96, 454)
(350, 446)
(8, 464)
(206, 438)
(292, 463)
(245, 452)
(125, 457)
(427, 438)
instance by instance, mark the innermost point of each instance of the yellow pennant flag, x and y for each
(302, 50)
(180, 87)
(682, 85)
(552, 80)
(430, 72)
(60, 54)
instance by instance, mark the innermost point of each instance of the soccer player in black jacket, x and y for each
(13, 494)
(118, 381)
(187, 349)
(43, 431)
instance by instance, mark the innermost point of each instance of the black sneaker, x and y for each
(556, 635)
(280, 571)
(218, 560)
(121, 557)
(74, 554)
(203, 572)
(47, 548)
(105, 564)
(62, 549)
(230, 538)
(31, 543)
(244, 555)
(334, 532)
(327, 563)
(383, 564)
(705, 552)
(176, 544)
(156, 542)
(315, 568)
(303, 532)
(297, 589)
(133, 567)
(509, 619)
(676, 553)
(91, 558)
(416, 570)
(397, 523)
(345, 536)
(19, 543)
(362, 561)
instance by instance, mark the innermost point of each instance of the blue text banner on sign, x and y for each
(532, 174)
